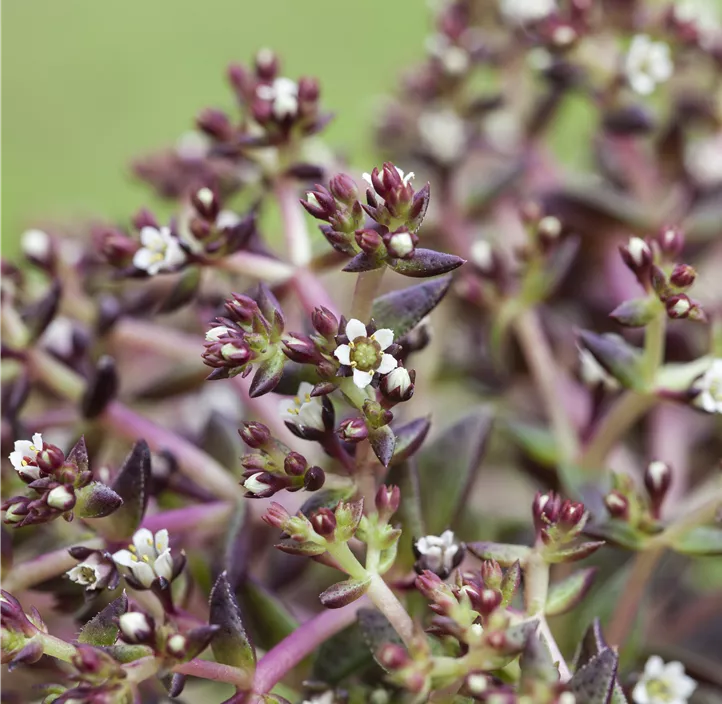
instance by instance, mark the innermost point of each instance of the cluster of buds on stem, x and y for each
(275, 467)
(56, 485)
(22, 634)
(248, 334)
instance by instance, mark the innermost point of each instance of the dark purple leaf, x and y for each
(102, 387)
(131, 484)
(344, 593)
(96, 501)
(383, 442)
(426, 262)
(268, 375)
(409, 438)
(362, 262)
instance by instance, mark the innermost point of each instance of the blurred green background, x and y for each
(88, 84)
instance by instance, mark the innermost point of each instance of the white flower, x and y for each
(227, 219)
(214, 334)
(438, 552)
(703, 160)
(365, 354)
(303, 410)
(90, 573)
(663, 683)
(443, 135)
(26, 449)
(135, 626)
(283, 93)
(482, 255)
(647, 64)
(397, 380)
(593, 373)
(708, 388)
(406, 178)
(255, 485)
(61, 498)
(401, 244)
(526, 11)
(148, 558)
(160, 251)
(323, 698)
(638, 250)
(36, 244)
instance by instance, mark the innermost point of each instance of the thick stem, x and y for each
(298, 243)
(367, 286)
(543, 368)
(386, 602)
(198, 517)
(192, 461)
(58, 648)
(207, 670)
(141, 669)
(51, 564)
(278, 661)
(271, 271)
(545, 632)
(654, 339)
(626, 411)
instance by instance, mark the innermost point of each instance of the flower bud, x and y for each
(301, 349)
(570, 514)
(678, 306)
(657, 480)
(549, 229)
(215, 123)
(206, 202)
(388, 499)
(254, 434)
(369, 240)
(136, 627)
(324, 522)
(50, 458)
(276, 516)
(176, 645)
(344, 188)
(353, 430)
(259, 485)
(115, 246)
(16, 509)
(61, 498)
(401, 244)
(295, 464)
(398, 384)
(266, 64)
(314, 479)
(324, 321)
(671, 241)
(491, 574)
(683, 276)
(393, 657)
(637, 255)
(617, 504)
(545, 509)
(488, 601)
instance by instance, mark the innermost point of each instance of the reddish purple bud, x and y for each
(683, 276)
(344, 189)
(369, 240)
(314, 479)
(206, 202)
(50, 458)
(266, 64)
(324, 321)
(637, 255)
(545, 509)
(393, 657)
(657, 480)
(388, 499)
(115, 246)
(239, 78)
(570, 514)
(353, 430)
(301, 349)
(276, 516)
(254, 434)
(401, 243)
(678, 306)
(491, 573)
(671, 241)
(262, 110)
(488, 601)
(324, 522)
(308, 91)
(215, 123)
(295, 464)
(398, 384)
(617, 504)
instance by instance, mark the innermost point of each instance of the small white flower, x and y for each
(24, 454)
(283, 93)
(148, 558)
(527, 11)
(443, 135)
(638, 250)
(397, 380)
(303, 410)
(647, 64)
(708, 388)
(254, 485)
(312, 200)
(454, 60)
(177, 645)
(364, 353)
(658, 473)
(90, 572)
(401, 244)
(61, 498)
(214, 334)
(663, 683)
(36, 244)
(482, 255)
(160, 251)
(593, 373)
(438, 552)
(405, 178)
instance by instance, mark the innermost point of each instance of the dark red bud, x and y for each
(678, 306)
(324, 522)
(617, 504)
(393, 657)
(353, 430)
(254, 434)
(324, 321)
(369, 240)
(295, 464)
(215, 123)
(314, 479)
(671, 241)
(344, 188)
(206, 202)
(683, 276)
(266, 64)
(491, 573)
(388, 499)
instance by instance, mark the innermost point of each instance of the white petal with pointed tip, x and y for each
(355, 328)
(385, 337)
(388, 363)
(362, 379)
(343, 354)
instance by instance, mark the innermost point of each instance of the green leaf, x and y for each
(451, 462)
(131, 484)
(700, 540)
(635, 313)
(620, 533)
(402, 310)
(102, 629)
(409, 438)
(268, 374)
(96, 501)
(536, 442)
(618, 357)
(565, 595)
(342, 655)
(506, 555)
(409, 515)
(231, 645)
(594, 683)
(268, 619)
(376, 630)
(574, 553)
(184, 290)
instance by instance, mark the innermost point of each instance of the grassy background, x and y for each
(89, 84)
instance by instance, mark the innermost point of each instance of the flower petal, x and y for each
(161, 541)
(150, 237)
(640, 694)
(362, 379)
(385, 337)
(124, 558)
(388, 362)
(16, 459)
(143, 542)
(355, 328)
(143, 572)
(304, 389)
(38, 442)
(163, 566)
(311, 414)
(654, 667)
(144, 259)
(286, 408)
(343, 354)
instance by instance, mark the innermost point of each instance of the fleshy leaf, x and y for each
(78, 455)
(536, 442)
(102, 387)
(221, 441)
(96, 500)
(342, 655)
(231, 645)
(268, 375)
(426, 262)
(131, 484)
(343, 593)
(574, 553)
(618, 357)
(635, 313)
(293, 547)
(179, 379)
(451, 461)
(40, 314)
(506, 555)
(268, 619)
(405, 476)
(363, 262)
(184, 291)
(383, 442)
(174, 684)
(403, 309)
(325, 498)
(510, 583)
(409, 438)
(270, 307)
(536, 663)
(565, 595)
(700, 540)
(102, 629)
(517, 636)
(618, 533)
(377, 630)
(237, 545)
(594, 683)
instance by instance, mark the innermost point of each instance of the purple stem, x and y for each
(274, 665)
(311, 292)
(196, 517)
